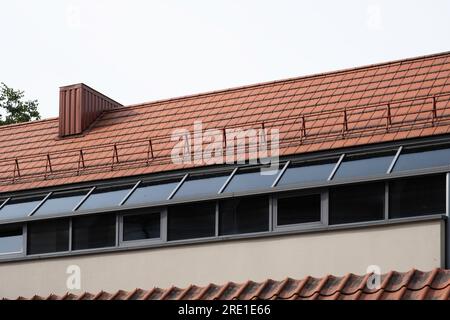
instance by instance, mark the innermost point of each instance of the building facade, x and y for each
(336, 173)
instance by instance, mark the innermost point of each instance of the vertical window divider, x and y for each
(447, 194)
(217, 219)
(25, 239)
(386, 200)
(117, 230)
(177, 187)
(394, 160)
(225, 184)
(120, 229)
(4, 202)
(325, 207)
(280, 175)
(40, 204)
(84, 199)
(336, 167)
(163, 226)
(130, 193)
(70, 234)
(447, 211)
(272, 212)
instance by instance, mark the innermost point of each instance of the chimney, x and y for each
(79, 106)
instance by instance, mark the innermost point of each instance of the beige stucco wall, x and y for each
(395, 247)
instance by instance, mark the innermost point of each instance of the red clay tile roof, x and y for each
(371, 104)
(412, 285)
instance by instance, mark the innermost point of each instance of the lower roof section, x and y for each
(411, 285)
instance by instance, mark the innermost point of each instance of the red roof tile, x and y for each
(342, 108)
(415, 284)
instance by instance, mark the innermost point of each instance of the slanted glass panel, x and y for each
(48, 236)
(17, 208)
(149, 192)
(11, 239)
(422, 159)
(141, 226)
(61, 202)
(190, 221)
(93, 231)
(105, 197)
(296, 209)
(417, 196)
(306, 173)
(197, 186)
(356, 203)
(251, 179)
(243, 215)
(364, 166)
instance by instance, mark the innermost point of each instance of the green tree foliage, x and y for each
(13, 109)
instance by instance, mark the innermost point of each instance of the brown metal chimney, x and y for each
(79, 106)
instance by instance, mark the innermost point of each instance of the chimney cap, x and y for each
(85, 86)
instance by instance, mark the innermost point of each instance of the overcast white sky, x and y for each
(136, 51)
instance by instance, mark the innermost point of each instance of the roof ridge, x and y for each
(33, 122)
(253, 85)
(279, 81)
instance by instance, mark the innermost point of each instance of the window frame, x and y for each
(133, 243)
(228, 174)
(50, 195)
(98, 189)
(446, 195)
(385, 209)
(41, 198)
(270, 221)
(301, 226)
(17, 254)
(348, 158)
(100, 249)
(197, 239)
(414, 149)
(246, 169)
(56, 253)
(273, 230)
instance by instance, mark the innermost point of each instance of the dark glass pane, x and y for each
(243, 215)
(19, 207)
(201, 186)
(61, 202)
(152, 192)
(356, 203)
(141, 226)
(298, 209)
(48, 236)
(417, 196)
(251, 179)
(422, 159)
(11, 239)
(300, 174)
(94, 231)
(105, 198)
(189, 221)
(361, 167)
